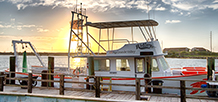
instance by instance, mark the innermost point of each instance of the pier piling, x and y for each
(137, 82)
(12, 69)
(147, 82)
(97, 86)
(210, 67)
(44, 77)
(2, 82)
(61, 91)
(182, 91)
(30, 81)
(50, 70)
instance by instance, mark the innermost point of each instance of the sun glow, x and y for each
(76, 60)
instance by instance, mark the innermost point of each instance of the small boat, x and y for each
(24, 69)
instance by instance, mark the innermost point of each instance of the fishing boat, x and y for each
(133, 60)
(26, 67)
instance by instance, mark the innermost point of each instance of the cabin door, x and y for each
(143, 66)
(139, 65)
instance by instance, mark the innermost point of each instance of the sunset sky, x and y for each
(182, 23)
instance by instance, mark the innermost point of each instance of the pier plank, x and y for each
(174, 99)
(153, 98)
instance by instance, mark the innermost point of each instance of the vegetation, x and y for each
(193, 54)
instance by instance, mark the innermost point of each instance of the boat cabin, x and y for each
(132, 60)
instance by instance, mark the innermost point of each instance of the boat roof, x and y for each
(117, 24)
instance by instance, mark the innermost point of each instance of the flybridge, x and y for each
(79, 21)
(79, 30)
(117, 24)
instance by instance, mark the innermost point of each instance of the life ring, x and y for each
(76, 72)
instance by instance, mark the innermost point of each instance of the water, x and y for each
(62, 61)
(59, 61)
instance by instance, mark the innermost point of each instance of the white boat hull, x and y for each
(166, 82)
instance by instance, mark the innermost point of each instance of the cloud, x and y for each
(214, 6)
(1, 26)
(18, 27)
(40, 30)
(191, 5)
(216, 1)
(1, 32)
(160, 9)
(12, 20)
(5, 26)
(174, 10)
(105, 5)
(172, 21)
(96, 5)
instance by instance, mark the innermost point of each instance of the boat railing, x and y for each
(63, 79)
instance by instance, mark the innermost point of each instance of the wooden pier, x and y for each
(90, 95)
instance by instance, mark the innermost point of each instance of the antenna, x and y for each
(76, 5)
(148, 10)
(211, 41)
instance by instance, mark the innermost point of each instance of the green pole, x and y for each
(24, 62)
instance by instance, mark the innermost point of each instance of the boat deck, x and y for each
(90, 95)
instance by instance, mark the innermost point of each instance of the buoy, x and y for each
(24, 63)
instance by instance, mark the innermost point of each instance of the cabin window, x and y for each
(122, 65)
(102, 65)
(140, 65)
(163, 63)
(154, 65)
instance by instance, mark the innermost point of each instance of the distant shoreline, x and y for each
(44, 53)
(193, 57)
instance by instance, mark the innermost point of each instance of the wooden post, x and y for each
(87, 85)
(210, 67)
(44, 77)
(30, 81)
(97, 85)
(182, 91)
(147, 82)
(12, 69)
(137, 83)
(61, 90)
(50, 71)
(2, 82)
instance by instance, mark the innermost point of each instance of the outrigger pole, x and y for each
(14, 42)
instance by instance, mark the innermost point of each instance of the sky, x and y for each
(45, 23)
